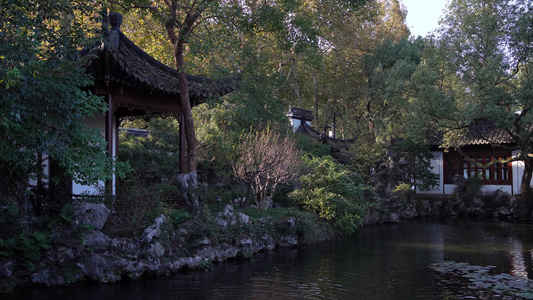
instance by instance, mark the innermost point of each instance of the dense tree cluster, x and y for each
(44, 96)
(354, 61)
(478, 68)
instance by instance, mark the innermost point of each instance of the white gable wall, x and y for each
(46, 171)
(296, 123)
(97, 122)
(437, 167)
(518, 172)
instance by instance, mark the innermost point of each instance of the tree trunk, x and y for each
(295, 85)
(190, 134)
(315, 99)
(526, 197)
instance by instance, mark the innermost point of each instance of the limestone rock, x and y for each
(6, 268)
(246, 242)
(154, 230)
(501, 212)
(289, 240)
(103, 269)
(126, 247)
(47, 277)
(244, 218)
(188, 185)
(94, 214)
(229, 217)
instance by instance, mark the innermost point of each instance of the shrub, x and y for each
(334, 193)
(266, 160)
(466, 189)
(311, 146)
(26, 248)
(179, 216)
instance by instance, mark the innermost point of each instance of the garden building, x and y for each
(134, 84)
(300, 120)
(479, 145)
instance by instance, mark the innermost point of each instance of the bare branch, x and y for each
(266, 160)
(135, 5)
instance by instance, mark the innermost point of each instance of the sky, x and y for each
(423, 15)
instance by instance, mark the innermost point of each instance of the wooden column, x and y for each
(109, 135)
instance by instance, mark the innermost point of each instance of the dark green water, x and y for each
(381, 262)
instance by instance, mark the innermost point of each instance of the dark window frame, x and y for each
(496, 174)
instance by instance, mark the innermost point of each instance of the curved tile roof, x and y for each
(127, 64)
(479, 133)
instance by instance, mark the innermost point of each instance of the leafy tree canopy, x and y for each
(478, 67)
(43, 91)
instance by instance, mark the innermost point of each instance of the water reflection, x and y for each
(380, 262)
(518, 264)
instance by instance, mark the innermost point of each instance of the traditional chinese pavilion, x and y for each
(135, 84)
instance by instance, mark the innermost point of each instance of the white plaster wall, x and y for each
(489, 189)
(296, 123)
(96, 122)
(518, 172)
(46, 170)
(449, 188)
(437, 168)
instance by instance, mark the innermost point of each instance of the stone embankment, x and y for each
(499, 205)
(81, 251)
(89, 254)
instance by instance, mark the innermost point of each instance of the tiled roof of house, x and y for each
(336, 144)
(300, 113)
(479, 133)
(494, 136)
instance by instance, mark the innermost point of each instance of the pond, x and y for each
(380, 262)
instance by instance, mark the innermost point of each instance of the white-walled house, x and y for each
(501, 176)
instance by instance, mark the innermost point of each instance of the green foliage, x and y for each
(148, 32)
(44, 94)
(66, 213)
(478, 67)
(334, 193)
(467, 189)
(418, 159)
(389, 70)
(81, 229)
(153, 158)
(150, 189)
(307, 226)
(10, 221)
(311, 146)
(142, 203)
(367, 157)
(26, 248)
(219, 125)
(402, 188)
(179, 216)
(473, 185)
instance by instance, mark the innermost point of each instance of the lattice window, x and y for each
(498, 174)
